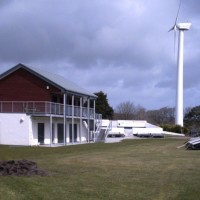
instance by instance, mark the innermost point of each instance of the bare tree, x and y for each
(140, 113)
(128, 111)
(164, 115)
(125, 110)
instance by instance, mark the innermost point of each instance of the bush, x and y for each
(174, 128)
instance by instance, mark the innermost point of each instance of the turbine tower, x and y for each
(181, 27)
(179, 91)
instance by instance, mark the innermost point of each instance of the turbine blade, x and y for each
(172, 28)
(178, 12)
(175, 27)
(175, 42)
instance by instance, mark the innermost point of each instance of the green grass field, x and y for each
(133, 169)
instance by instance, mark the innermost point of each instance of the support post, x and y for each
(179, 93)
(94, 119)
(50, 130)
(182, 27)
(81, 119)
(88, 118)
(72, 119)
(64, 118)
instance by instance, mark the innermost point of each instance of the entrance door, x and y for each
(53, 134)
(60, 129)
(41, 133)
(75, 133)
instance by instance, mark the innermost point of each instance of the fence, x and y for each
(44, 107)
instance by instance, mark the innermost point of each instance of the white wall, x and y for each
(137, 130)
(35, 121)
(105, 122)
(131, 123)
(21, 129)
(147, 130)
(117, 130)
(56, 121)
(136, 127)
(14, 129)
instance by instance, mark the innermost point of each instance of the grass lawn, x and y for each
(133, 169)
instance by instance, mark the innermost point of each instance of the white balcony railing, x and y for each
(44, 107)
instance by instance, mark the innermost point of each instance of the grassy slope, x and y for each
(134, 169)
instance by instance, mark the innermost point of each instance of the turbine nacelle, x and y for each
(183, 26)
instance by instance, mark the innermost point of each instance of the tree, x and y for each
(192, 119)
(102, 106)
(128, 111)
(125, 110)
(187, 110)
(164, 115)
(140, 113)
(174, 128)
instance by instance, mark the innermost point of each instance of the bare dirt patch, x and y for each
(20, 168)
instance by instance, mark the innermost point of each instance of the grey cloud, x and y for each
(120, 47)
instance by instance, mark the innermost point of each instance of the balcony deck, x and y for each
(46, 108)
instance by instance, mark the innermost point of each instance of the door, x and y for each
(60, 131)
(71, 138)
(41, 133)
(53, 134)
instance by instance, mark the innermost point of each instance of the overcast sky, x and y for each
(120, 47)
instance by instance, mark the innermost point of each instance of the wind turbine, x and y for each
(181, 27)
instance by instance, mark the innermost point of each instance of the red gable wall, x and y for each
(21, 85)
